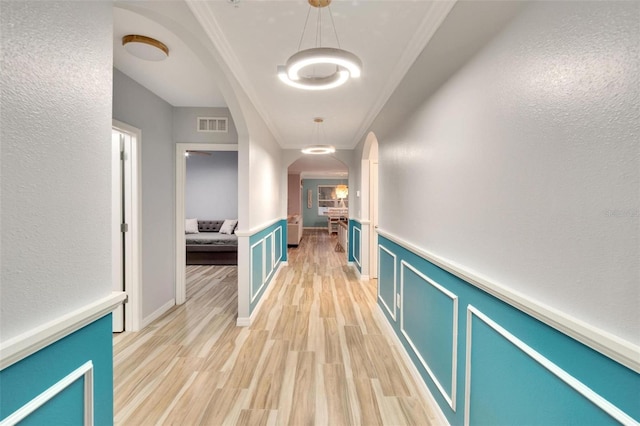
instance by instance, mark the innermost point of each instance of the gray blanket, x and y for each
(214, 238)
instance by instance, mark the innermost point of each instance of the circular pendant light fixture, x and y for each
(344, 64)
(318, 148)
(144, 47)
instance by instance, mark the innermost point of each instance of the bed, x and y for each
(210, 247)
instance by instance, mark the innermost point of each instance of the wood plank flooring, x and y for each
(315, 355)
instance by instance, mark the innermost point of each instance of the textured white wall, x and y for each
(524, 166)
(55, 177)
(211, 187)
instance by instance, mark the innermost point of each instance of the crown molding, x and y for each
(436, 14)
(205, 16)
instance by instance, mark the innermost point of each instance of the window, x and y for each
(327, 198)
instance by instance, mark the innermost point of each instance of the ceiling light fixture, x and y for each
(144, 47)
(318, 149)
(345, 64)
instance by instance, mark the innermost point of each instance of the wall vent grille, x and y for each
(212, 124)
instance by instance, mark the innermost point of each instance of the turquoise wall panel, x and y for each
(280, 243)
(355, 242)
(268, 248)
(257, 269)
(267, 242)
(612, 381)
(512, 388)
(387, 283)
(26, 379)
(428, 320)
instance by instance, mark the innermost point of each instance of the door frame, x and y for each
(132, 307)
(181, 169)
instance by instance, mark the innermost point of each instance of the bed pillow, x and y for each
(228, 226)
(191, 226)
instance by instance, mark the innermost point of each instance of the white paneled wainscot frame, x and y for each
(391, 311)
(561, 374)
(272, 262)
(357, 256)
(451, 399)
(84, 371)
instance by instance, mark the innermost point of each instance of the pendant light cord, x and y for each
(334, 27)
(304, 28)
(319, 28)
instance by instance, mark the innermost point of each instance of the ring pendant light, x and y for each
(347, 65)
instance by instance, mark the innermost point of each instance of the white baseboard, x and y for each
(422, 386)
(158, 313)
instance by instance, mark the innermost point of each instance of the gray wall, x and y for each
(523, 165)
(211, 189)
(138, 107)
(185, 126)
(55, 132)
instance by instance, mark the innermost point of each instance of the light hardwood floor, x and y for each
(314, 355)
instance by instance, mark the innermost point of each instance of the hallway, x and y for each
(314, 355)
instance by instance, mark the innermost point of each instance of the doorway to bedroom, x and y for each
(206, 213)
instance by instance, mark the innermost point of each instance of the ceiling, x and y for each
(254, 37)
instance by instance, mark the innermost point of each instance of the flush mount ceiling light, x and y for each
(342, 63)
(144, 47)
(318, 149)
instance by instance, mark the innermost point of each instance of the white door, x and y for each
(120, 217)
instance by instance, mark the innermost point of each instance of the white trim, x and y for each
(265, 277)
(158, 313)
(246, 322)
(451, 399)
(561, 374)
(85, 370)
(275, 261)
(254, 295)
(395, 284)
(133, 307)
(256, 229)
(411, 367)
(181, 257)
(25, 344)
(353, 238)
(620, 350)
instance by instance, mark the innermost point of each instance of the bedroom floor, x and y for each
(315, 354)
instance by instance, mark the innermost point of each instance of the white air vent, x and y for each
(212, 124)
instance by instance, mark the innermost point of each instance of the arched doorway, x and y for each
(305, 175)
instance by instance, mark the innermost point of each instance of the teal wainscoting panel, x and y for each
(257, 269)
(510, 387)
(267, 253)
(268, 258)
(280, 242)
(428, 320)
(355, 241)
(23, 381)
(427, 314)
(387, 281)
